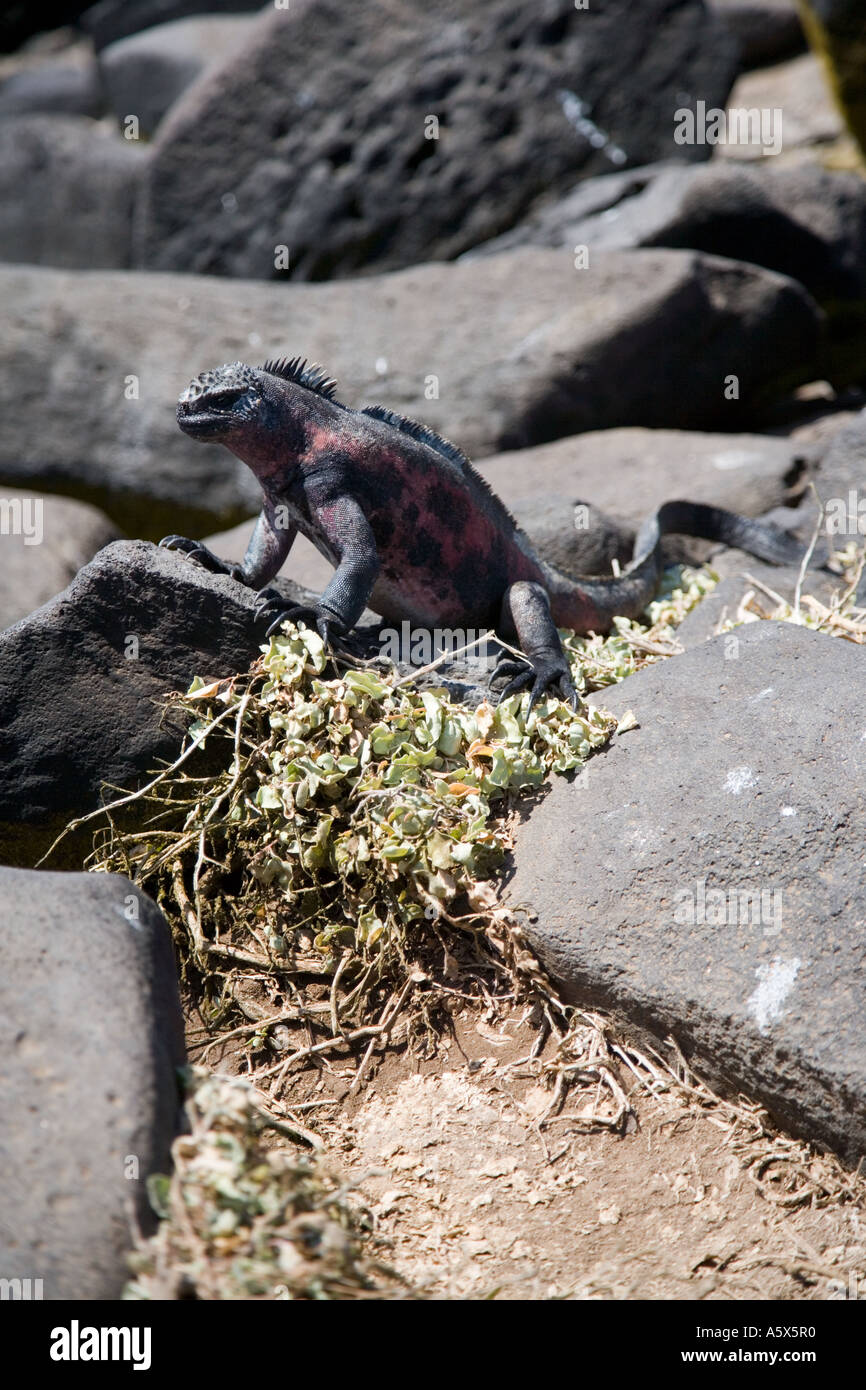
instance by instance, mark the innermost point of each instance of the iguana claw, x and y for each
(272, 608)
(197, 551)
(542, 675)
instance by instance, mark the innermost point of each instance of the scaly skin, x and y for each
(412, 530)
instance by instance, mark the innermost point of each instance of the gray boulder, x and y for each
(145, 73)
(836, 465)
(44, 541)
(57, 88)
(92, 1037)
(842, 467)
(637, 881)
(799, 89)
(574, 535)
(81, 680)
(802, 221)
(741, 574)
(766, 30)
(110, 20)
(515, 351)
(630, 472)
(819, 430)
(581, 500)
(67, 187)
(838, 468)
(293, 146)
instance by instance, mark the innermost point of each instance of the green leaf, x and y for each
(158, 1187)
(366, 682)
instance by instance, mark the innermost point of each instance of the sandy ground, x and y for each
(474, 1198)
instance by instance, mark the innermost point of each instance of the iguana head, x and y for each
(218, 403)
(266, 415)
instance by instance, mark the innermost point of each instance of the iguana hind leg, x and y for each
(526, 620)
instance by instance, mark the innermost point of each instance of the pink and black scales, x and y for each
(413, 531)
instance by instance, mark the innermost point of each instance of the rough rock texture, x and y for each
(44, 541)
(147, 72)
(741, 574)
(746, 773)
(595, 204)
(92, 1034)
(630, 472)
(766, 30)
(521, 349)
(802, 221)
(80, 679)
(838, 458)
(799, 90)
(62, 88)
(292, 145)
(110, 20)
(842, 466)
(821, 429)
(67, 187)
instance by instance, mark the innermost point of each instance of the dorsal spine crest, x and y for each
(304, 373)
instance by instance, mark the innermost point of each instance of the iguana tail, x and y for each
(591, 604)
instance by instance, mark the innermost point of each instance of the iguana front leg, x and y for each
(526, 619)
(347, 530)
(265, 555)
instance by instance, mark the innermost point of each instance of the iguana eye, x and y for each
(225, 398)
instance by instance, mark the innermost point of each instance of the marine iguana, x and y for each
(413, 531)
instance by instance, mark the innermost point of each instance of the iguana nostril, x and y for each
(216, 399)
